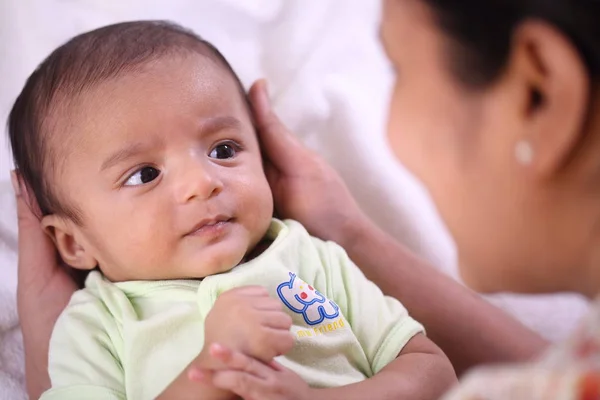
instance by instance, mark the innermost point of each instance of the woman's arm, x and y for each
(421, 371)
(470, 330)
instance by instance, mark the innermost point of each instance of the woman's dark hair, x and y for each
(482, 30)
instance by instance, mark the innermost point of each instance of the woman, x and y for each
(503, 97)
(500, 97)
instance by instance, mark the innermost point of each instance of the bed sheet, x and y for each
(330, 83)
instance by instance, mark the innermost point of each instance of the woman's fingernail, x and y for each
(14, 179)
(264, 97)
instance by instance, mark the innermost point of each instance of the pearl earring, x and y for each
(524, 152)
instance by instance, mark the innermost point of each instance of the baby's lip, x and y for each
(208, 222)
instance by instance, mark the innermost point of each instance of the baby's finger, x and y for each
(267, 304)
(253, 291)
(276, 320)
(273, 343)
(197, 374)
(245, 385)
(277, 367)
(237, 361)
(283, 342)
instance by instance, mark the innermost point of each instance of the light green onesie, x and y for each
(130, 340)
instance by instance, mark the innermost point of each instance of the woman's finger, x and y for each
(37, 255)
(271, 172)
(282, 148)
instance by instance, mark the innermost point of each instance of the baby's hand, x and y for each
(248, 320)
(252, 380)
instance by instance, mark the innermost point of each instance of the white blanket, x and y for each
(11, 349)
(330, 83)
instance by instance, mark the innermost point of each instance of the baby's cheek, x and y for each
(264, 213)
(254, 199)
(128, 234)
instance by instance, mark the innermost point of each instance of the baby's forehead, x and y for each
(161, 96)
(123, 55)
(166, 71)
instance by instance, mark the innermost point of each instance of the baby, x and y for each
(138, 143)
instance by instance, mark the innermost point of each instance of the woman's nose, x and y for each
(198, 182)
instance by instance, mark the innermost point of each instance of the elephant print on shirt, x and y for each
(302, 298)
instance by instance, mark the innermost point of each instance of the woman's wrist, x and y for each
(36, 369)
(353, 230)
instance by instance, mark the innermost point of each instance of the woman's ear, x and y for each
(556, 103)
(67, 238)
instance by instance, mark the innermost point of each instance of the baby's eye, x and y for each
(223, 151)
(142, 176)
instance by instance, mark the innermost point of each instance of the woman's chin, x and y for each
(482, 281)
(486, 282)
(480, 284)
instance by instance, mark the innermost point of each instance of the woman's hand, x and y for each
(305, 187)
(44, 288)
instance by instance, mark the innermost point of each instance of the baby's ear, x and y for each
(67, 239)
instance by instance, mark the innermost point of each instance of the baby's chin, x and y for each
(193, 258)
(190, 266)
(215, 259)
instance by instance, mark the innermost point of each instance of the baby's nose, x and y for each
(199, 182)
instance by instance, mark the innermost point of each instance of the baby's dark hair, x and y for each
(482, 31)
(79, 64)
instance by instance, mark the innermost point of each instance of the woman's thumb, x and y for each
(25, 214)
(280, 145)
(35, 247)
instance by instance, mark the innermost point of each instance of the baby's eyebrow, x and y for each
(215, 124)
(209, 126)
(121, 155)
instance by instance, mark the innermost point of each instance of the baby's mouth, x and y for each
(211, 225)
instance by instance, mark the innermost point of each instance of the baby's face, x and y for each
(165, 167)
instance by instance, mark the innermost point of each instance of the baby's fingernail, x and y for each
(216, 348)
(14, 179)
(220, 352)
(195, 375)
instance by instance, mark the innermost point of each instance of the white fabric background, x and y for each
(330, 83)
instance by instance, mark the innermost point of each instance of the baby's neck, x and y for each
(257, 250)
(252, 254)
